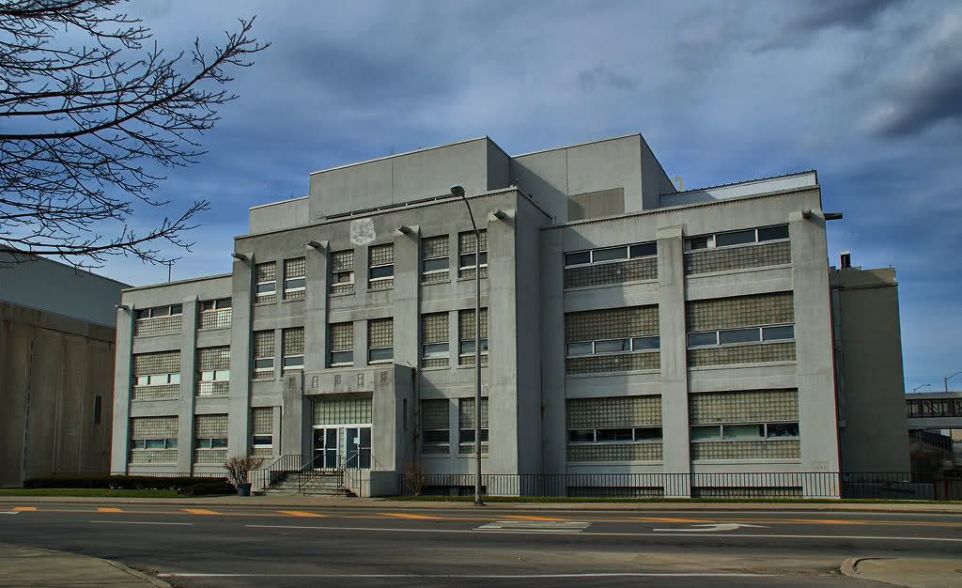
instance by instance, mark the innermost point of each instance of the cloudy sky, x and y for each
(868, 92)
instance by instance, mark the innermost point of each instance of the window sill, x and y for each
(340, 365)
(437, 282)
(739, 365)
(604, 374)
(224, 328)
(339, 294)
(470, 279)
(158, 335)
(786, 460)
(608, 462)
(291, 300)
(381, 361)
(263, 303)
(436, 368)
(154, 399)
(743, 344)
(612, 285)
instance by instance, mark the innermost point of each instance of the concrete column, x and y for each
(554, 427)
(122, 382)
(818, 426)
(674, 360)
(277, 429)
(506, 437)
(188, 357)
(238, 426)
(315, 304)
(360, 343)
(406, 298)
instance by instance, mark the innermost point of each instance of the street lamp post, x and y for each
(916, 389)
(949, 377)
(458, 191)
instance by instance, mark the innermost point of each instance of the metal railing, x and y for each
(943, 442)
(723, 485)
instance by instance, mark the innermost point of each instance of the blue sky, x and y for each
(868, 92)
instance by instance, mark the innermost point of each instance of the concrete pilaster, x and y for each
(406, 308)
(818, 428)
(188, 355)
(505, 438)
(674, 359)
(240, 358)
(554, 427)
(122, 382)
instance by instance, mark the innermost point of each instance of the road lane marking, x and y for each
(612, 533)
(25, 509)
(711, 528)
(482, 576)
(109, 509)
(140, 523)
(301, 513)
(200, 511)
(409, 517)
(9, 512)
(534, 518)
(543, 526)
(669, 520)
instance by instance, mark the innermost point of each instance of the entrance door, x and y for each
(325, 448)
(358, 448)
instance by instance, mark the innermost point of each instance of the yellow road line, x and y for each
(25, 508)
(109, 509)
(301, 513)
(409, 517)
(670, 520)
(200, 511)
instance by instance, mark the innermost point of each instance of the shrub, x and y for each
(186, 485)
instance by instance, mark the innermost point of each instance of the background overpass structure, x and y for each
(934, 410)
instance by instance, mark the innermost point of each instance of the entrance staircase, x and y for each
(289, 476)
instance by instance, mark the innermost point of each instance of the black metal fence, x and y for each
(730, 485)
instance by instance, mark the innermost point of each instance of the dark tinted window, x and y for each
(578, 258)
(772, 233)
(736, 238)
(644, 250)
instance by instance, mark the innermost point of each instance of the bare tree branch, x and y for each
(83, 129)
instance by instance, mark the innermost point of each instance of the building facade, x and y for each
(56, 369)
(626, 328)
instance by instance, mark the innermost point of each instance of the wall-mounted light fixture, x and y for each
(317, 244)
(402, 230)
(121, 307)
(240, 257)
(833, 216)
(807, 213)
(498, 215)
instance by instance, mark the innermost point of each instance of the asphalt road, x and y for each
(196, 547)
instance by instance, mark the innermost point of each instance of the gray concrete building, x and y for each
(627, 328)
(56, 369)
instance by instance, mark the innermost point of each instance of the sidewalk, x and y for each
(911, 572)
(30, 566)
(269, 502)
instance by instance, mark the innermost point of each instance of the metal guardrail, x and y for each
(778, 485)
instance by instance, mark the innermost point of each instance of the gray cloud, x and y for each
(600, 76)
(852, 14)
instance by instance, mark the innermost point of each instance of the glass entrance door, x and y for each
(326, 452)
(358, 448)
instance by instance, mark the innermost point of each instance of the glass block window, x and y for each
(263, 355)
(380, 340)
(435, 252)
(159, 320)
(466, 416)
(614, 339)
(293, 348)
(631, 270)
(295, 284)
(156, 376)
(649, 451)
(381, 269)
(215, 314)
(466, 337)
(213, 371)
(736, 258)
(342, 272)
(341, 343)
(153, 440)
(343, 409)
(262, 431)
(611, 323)
(741, 354)
(731, 450)
(435, 426)
(751, 406)
(265, 282)
(210, 438)
(467, 245)
(614, 428)
(613, 412)
(736, 238)
(740, 311)
(434, 339)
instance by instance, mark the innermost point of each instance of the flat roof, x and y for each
(413, 151)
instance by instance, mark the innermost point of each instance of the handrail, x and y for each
(283, 464)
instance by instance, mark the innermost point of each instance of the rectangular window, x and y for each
(612, 346)
(615, 435)
(467, 246)
(210, 438)
(263, 355)
(381, 268)
(745, 432)
(98, 409)
(342, 344)
(149, 435)
(434, 339)
(295, 284)
(213, 371)
(741, 336)
(215, 314)
(752, 335)
(735, 238)
(156, 375)
(159, 311)
(262, 431)
(435, 426)
(434, 259)
(380, 340)
(610, 254)
(342, 272)
(265, 282)
(293, 348)
(466, 337)
(466, 423)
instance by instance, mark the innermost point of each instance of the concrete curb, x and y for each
(138, 574)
